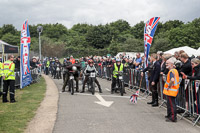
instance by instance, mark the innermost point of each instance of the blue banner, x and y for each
(25, 78)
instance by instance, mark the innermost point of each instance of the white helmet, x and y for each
(74, 68)
(118, 60)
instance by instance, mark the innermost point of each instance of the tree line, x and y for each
(119, 36)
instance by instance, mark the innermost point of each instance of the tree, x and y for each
(8, 28)
(11, 39)
(138, 30)
(121, 26)
(98, 37)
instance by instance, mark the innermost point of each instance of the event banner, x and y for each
(149, 30)
(25, 78)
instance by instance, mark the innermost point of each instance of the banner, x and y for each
(25, 78)
(149, 30)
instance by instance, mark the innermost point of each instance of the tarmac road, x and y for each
(79, 113)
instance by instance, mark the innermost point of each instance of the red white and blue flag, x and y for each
(25, 78)
(149, 30)
(133, 98)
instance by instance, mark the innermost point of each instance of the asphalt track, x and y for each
(80, 113)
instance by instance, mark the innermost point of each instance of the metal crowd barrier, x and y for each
(34, 74)
(187, 100)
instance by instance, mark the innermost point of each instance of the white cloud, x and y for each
(70, 12)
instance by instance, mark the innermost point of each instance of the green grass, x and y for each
(14, 117)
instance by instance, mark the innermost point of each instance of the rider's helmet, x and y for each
(76, 61)
(68, 58)
(90, 61)
(118, 61)
(74, 68)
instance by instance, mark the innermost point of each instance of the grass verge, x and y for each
(14, 117)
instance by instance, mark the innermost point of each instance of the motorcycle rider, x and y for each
(57, 64)
(76, 74)
(118, 66)
(66, 73)
(52, 62)
(90, 68)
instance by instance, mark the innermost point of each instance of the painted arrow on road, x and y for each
(102, 101)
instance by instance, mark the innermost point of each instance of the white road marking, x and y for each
(107, 89)
(114, 96)
(102, 101)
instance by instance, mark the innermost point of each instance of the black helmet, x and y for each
(68, 58)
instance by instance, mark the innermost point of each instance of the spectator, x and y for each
(164, 70)
(159, 54)
(130, 64)
(171, 90)
(17, 63)
(186, 67)
(155, 73)
(138, 61)
(33, 63)
(195, 76)
(176, 55)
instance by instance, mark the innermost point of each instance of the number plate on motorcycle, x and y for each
(120, 77)
(71, 77)
(58, 69)
(92, 75)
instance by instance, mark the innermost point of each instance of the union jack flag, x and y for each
(149, 30)
(133, 98)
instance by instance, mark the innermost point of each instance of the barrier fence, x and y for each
(187, 100)
(34, 74)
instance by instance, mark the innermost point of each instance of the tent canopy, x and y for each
(7, 48)
(190, 51)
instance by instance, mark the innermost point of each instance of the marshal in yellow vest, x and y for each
(9, 70)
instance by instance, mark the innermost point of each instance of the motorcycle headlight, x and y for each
(74, 68)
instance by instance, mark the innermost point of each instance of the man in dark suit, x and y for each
(154, 79)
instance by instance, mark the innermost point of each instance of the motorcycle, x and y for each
(91, 82)
(58, 72)
(71, 79)
(120, 82)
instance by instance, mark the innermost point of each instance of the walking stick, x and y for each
(133, 97)
(140, 85)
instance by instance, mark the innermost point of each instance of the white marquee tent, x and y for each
(190, 51)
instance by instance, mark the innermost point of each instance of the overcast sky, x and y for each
(70, 12)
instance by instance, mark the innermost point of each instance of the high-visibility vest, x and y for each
(9, 70)
(48, 63)
(173, 91)
(72, 61)
(116, 69)
(1, 69)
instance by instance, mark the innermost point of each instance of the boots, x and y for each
(153, 99)
(155, 104)
(83, 89)
(100, 90)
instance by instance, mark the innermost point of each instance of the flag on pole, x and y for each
(133, 98)
(149, 30)
(25, 78)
